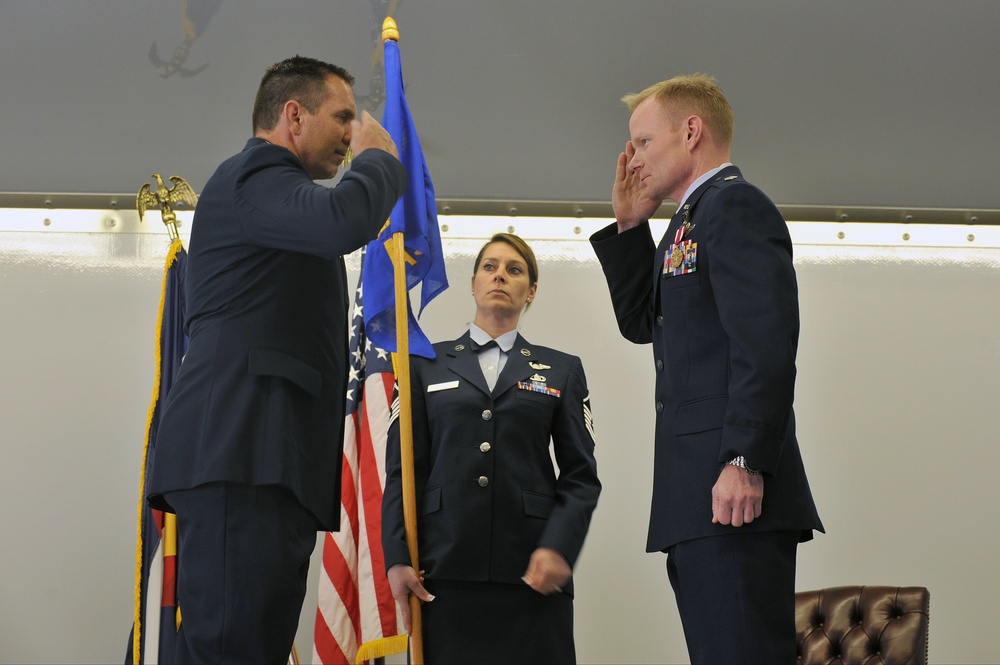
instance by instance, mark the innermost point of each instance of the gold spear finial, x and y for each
(164, 199)
(389, 30)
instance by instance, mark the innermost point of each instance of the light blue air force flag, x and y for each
(415, 215)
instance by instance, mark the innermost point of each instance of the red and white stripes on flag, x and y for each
(161, 589)
(355, 609)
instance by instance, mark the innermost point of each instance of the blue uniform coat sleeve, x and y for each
(625, 258)
(284, 209)
(394, 547)
(577, 485)
(756, 296)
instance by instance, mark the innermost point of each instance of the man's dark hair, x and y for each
(299, 78)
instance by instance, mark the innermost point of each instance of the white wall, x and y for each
(896, 399)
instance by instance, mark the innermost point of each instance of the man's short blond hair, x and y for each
(694, 94)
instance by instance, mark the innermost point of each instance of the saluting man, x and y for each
(730, 497)
(249, 449)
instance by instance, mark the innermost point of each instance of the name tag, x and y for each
(447, 385)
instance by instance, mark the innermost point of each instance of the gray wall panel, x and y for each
(896, 400)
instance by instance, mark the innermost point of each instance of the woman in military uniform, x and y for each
(499, 527)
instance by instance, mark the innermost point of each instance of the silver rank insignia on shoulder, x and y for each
(731, 177)
(539, 366)
(537, 377)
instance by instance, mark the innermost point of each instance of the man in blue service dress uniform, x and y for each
(730, 497)
(249, 450)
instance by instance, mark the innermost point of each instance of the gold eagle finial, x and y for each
(164, 199)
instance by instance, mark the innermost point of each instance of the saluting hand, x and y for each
(403, 580)
(366, 132)
(629, 200)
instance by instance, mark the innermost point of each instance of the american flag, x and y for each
(355, 606)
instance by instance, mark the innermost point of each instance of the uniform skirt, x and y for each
(487, 622)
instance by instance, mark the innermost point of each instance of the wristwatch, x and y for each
(741, 462)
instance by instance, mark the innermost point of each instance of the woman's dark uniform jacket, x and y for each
(260, 395)
(487, 494)
(724, 342)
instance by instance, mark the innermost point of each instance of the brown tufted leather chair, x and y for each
(850, 625)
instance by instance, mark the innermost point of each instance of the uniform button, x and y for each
(483, 481)
(484, 446)
(659, 365)
(659, 407)
(659, 320)
(487, 414)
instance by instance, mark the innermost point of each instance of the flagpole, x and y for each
(406, 435)
(398, 255)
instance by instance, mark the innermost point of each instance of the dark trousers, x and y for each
(736, 596)
(242, 560)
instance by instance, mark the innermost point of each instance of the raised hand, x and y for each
(366, 132)
(629, 200)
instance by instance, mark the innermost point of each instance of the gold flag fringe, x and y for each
(381, 648)
(175, 247)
